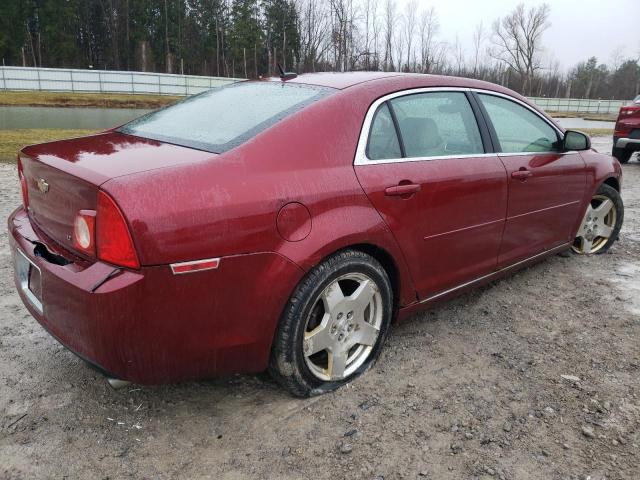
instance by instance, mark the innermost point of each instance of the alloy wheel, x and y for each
(343, 327)
(597, 226)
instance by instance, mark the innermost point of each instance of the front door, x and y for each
(444, 199)
(546, 187)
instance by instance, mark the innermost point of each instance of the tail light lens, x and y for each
(23, 184)
(113, 239)
(625, 111)
(84, 231)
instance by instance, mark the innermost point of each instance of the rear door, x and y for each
(546, 187)
(425, 163)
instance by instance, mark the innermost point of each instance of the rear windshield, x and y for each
(223, 118)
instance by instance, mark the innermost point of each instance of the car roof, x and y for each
(342, 81)
(338, 80)
(376, 84)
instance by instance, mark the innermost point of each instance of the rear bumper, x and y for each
(630, 143)
(150, 326)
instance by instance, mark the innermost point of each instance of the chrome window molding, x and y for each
(361, 151)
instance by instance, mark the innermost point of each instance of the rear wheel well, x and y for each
(387, 262)
(613, 183)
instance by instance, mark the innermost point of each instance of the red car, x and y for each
(626, 136)
(283, 224)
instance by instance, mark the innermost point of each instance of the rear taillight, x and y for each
(103, 233)
(84, 231)
(630, 110)
(113, 239)
(23, 184)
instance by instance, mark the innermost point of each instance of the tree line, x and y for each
(248, 38)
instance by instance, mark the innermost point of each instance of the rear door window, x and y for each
(223, 118)
(431, 124)
(435, 124)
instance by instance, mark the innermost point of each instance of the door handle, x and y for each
(402, 190)
(521, 174)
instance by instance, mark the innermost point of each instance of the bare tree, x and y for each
(169, 65)
(398, 44)
(409, 20)
(342, 32)
(517, 40)
(390, 21)
(313, 21)
(478, 40)
(458, 52)
(428, 30)
(370, 12)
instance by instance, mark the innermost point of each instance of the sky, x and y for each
(579, 28)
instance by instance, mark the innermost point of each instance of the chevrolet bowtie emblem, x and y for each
(43, 186)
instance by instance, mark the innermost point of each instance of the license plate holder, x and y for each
(29, 279)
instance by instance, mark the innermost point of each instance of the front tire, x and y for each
(334, 325)
(622, 154)
(601, 223)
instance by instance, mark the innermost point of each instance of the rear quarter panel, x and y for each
(229, 204)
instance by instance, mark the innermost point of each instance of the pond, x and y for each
(68, 117)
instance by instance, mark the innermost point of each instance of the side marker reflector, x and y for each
(195, 266)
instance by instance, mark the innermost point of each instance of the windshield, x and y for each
(223, 118)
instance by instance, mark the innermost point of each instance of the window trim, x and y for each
(361, 150)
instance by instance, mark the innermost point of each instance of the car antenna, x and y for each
(286, 75)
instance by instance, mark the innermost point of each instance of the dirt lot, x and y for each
(471, 389)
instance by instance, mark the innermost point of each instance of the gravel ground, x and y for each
(535, 376)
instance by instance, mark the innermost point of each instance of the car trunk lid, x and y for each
(63, 177)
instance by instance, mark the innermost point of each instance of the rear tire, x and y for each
(334, 325)
(622, 154)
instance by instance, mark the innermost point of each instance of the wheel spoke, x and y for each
(319, 338)
(603, 209)
(362, 296)
(586, 244)
(337, 363)
(583, 225)
(332, 296)
(605, 231)
(366, 334)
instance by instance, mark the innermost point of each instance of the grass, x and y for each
(597, 132)
(601, 117)
(66, 99)
(11, 141)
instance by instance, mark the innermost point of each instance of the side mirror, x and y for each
(574, 140)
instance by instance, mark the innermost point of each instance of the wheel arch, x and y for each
(388, 263)
(613, 182)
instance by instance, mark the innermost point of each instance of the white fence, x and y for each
(105, 81)
(578, 105)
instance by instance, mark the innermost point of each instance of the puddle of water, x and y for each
(68, 117)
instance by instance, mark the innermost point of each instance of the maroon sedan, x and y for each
(284, 224)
